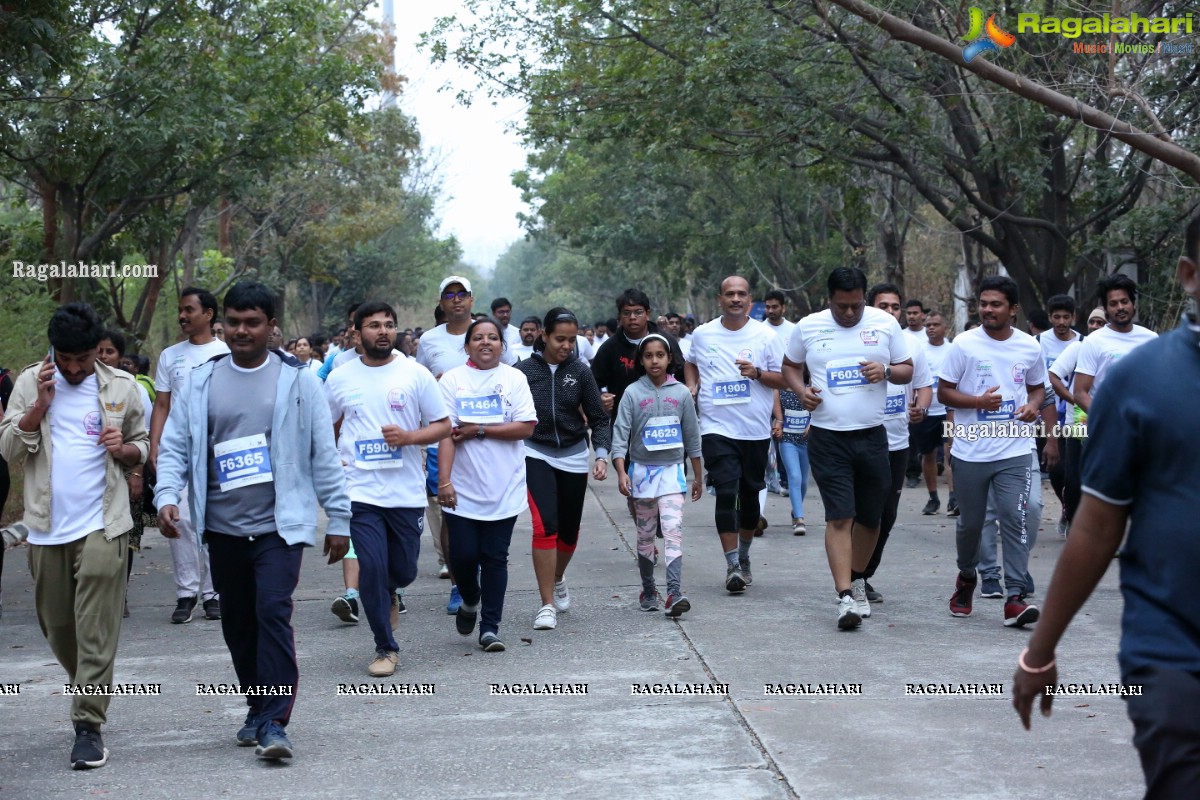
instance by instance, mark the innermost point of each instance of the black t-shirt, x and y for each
(615, 364)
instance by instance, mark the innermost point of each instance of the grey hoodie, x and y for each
(641, 402)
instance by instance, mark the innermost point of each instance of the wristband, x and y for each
(758, 373)
(1026, 668)
(444, 485)
(135, 475)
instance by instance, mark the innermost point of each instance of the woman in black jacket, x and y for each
(557, 458)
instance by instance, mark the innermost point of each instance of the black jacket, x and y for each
(614, 365)
(557, 397)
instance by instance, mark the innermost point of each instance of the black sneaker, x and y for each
(183, 610)
(931, 507)
(212, 608)
(464, 620)
(89, 751)
(952, 507)
(400, 607)
(491, 643)
(872, 595)
(247, 736)
(345, 609)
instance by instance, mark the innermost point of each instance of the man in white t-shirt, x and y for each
(1061, 309)
(675, 328)
(993, 378)
(913, 324)
(733, 369)
(776, 307)
(852, 353)
(502, 313)
(1118, 295)
(530, 328)
(930, 434)
(385, 408)
(193, 575)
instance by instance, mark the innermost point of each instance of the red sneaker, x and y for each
(964, 594)
(1017, 612)
(676, 605)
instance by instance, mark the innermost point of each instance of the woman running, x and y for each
(790, 426)
(656, 427)
(557, 458)
(481, 467)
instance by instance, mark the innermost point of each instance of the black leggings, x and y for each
(1072, 462)
(899, 461)
(556, 504)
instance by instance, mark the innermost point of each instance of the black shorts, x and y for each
(852, 471)
(927, 434)
(743, 460)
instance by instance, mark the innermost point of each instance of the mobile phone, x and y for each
(51, 354)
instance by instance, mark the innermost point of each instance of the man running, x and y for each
(614, 365)
(929, 435)
(992, 378)
(852, 352)
(732, 369)
(378, 404)
(253, 436)
(1118, 295)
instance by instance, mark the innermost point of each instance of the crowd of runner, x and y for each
(240, 436)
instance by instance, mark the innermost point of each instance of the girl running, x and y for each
(656, 427)
(481, 467)
(557, 458)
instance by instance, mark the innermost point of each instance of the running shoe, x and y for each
(444, 572)
(183, 610)
(491, 643)
(546, 619)
(1018, 613)
(734, 582)
(562, 596)
(931, 507)
(858, 590)
(1063, 528)
(648, 601)
(247, 735)
(676, 605)
(963, 597)
(872, 595)
(455, 601)
(798, 528)
(848, 618)
(761, 526)
(89, 751)
(464, 619)
(212, 608)
(345, 608)
(991, 589)
(744, 567)
(273, 743)
(952, 507)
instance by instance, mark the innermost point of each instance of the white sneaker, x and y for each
(546, 619)
(848, 617)
(562, 597)
(858, 590)
(443, 572)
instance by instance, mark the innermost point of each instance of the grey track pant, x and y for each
(1009, 481)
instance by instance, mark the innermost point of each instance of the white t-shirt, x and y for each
(440, 351)
(731, 405)
(977, 362)
(584, 348)
(346, 356)
(77, 474)
(367, 398)
(685, 347)
(488, 474)
(900, 397)
(833, 354)
(1103, 348)
(934, 356)
(520, 351)
(178, 360)
(147, 404)
(783, 330)
(512, 335)
(1053, 347)
(1064, 368)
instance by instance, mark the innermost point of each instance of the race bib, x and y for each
(894, 405)
(845, 375)
(1008, 407)
(243, 462)
(662, 433)
(727, 393)
(377, 454)
(795, 422)
(480, 409)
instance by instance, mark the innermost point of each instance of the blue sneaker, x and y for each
(273, 742)
(455, 601)
(248, 735)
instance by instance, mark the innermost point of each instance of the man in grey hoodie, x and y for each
(247, 416)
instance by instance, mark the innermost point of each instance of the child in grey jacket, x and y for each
(655, 429)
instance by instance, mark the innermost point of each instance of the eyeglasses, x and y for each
(374, 326)
(459, 295)
(633, 313)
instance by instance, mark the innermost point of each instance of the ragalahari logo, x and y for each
(985, 37)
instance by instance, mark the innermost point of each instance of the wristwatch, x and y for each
(887, 373)
(481, 431)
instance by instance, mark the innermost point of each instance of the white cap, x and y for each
(466, 284)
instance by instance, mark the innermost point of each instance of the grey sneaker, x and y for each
(872, 595)
(734, 582)
(744, 566)
(648, 601)
(491, 643)
(858, 590)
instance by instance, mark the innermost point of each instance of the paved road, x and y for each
(465, 742)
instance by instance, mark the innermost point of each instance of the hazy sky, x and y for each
(475, 151)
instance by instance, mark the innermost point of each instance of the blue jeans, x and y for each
(795, 463)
